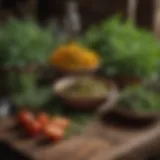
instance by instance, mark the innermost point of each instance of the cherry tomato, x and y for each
(61, 122)
(24, 117)
(33, 128)
(54, 132)
(43, 119)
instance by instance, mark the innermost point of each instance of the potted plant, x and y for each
(23, 48)
(128, 54)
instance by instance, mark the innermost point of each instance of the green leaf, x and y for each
(24, 43)
(122, 46)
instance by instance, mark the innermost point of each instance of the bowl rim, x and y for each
(112, 88)
(136, 114)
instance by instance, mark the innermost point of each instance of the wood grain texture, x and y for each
(140, 145)
(97, 142)
(77, 148)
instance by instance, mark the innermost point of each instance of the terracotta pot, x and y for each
(124, 81)
(82, 103)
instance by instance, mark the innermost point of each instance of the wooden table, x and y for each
(97, 142)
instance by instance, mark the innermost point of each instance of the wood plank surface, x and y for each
(97, 142)
(128, 144)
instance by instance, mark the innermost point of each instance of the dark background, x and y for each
(91, 11)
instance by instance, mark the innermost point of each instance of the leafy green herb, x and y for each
(43, 99)
(30, 93)
(125, 49)
(23, 43)
(139, 99)
(79, 122)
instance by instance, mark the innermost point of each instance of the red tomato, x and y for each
(24, 117)
(33, 128)
(54, 132)
(61, 122)
(43, 119)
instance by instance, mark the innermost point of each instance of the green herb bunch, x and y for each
(139, 98)
(30, 94)
(125, 49)
(23, 43)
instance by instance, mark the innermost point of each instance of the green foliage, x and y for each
(78, 122)
(139, 99)
(78, 119)
(42, 98)
(30, 94)
(23, 43)
(125, 50)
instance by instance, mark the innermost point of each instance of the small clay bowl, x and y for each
(82, 103)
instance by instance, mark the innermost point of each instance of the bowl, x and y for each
(130, 119)
(137, 115)
(86, 103)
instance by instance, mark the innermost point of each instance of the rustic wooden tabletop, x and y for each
(97, 142)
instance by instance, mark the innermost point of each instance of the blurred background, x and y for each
(144, 12)
(80, 37)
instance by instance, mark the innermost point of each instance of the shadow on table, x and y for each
(7, 153)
